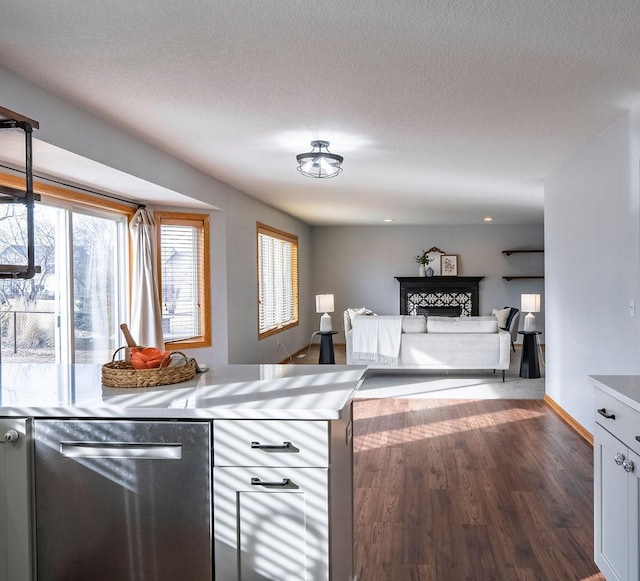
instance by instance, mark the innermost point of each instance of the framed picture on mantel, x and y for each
(449, 265)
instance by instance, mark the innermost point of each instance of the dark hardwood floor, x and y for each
(310, 355)
(450, 490)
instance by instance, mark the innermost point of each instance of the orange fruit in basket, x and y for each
(137, 362)
(162, 361)
(152, 352)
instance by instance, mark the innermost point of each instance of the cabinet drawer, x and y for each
(271, 443)
(625, 426)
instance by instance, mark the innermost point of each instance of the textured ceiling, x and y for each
(445, 111)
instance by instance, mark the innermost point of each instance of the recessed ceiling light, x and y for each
(388, 220)
(488, 219)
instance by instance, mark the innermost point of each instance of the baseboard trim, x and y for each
(579, 428)
(294, 355)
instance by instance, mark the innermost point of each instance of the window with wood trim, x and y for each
(277, 280)
(184, 275)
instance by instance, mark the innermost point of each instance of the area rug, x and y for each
(480, 384)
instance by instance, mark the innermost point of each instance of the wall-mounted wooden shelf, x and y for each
(510, 252)
(527, 251)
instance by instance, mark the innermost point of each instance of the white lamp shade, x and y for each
(324, 304)
(530, 303)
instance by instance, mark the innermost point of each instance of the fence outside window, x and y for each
(30, 337)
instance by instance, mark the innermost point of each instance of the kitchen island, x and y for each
(244, 472)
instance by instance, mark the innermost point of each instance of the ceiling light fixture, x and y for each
(488, 219)
(318, 163)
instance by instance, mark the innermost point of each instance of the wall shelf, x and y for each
(510, 252)
(525, 251)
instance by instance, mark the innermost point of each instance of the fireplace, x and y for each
(434, 310)
(448, 296)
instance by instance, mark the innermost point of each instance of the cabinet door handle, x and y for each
(628, 466)
(604, 414)
(284, 483)
(283, 446)
(10, 436)
(618, 459)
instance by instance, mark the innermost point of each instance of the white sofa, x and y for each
(437, 343)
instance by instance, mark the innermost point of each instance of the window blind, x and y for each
(277, 280)
(181, 263)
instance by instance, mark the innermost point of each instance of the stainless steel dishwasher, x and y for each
(123, 500)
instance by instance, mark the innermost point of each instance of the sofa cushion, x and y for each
(462, 325)
(502, 315)
(414, 324)
(512, 313)
(350, 313)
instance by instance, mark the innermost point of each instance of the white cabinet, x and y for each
(616, 489)
(15, 499)
(283, 500)
(271, 523)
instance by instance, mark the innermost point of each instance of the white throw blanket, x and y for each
(377, 338)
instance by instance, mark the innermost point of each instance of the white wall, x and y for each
(233, 227)
(358, 263)
(592, 267)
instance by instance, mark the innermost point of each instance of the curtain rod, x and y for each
(75, 187)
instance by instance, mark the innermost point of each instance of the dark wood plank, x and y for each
(456, 489)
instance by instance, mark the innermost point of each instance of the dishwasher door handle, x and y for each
(142, 451)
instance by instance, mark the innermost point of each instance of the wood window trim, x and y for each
(202, 221)
(262, 228)
(67, 196)
(52, 193)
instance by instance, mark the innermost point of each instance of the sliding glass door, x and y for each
(70, 311)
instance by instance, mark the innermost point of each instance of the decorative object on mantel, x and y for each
(428, 271)
(530, 303)
(423, 260)
(434, 253)
(449, 265)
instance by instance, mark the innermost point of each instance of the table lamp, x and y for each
(324, 304)
(530, 304)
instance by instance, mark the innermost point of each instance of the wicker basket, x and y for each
(122, 374)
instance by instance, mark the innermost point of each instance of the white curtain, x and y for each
(146, 312)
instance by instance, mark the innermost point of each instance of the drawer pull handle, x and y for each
(283, 446)
(604, 414)
(133, 450)
(284, 483)
(628, 466)
(619, 459)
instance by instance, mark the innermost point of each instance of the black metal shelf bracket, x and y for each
(28, 198)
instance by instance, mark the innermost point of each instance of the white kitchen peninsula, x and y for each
(259, 454)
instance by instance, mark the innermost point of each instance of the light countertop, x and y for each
(625, 388)
(288, 392)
